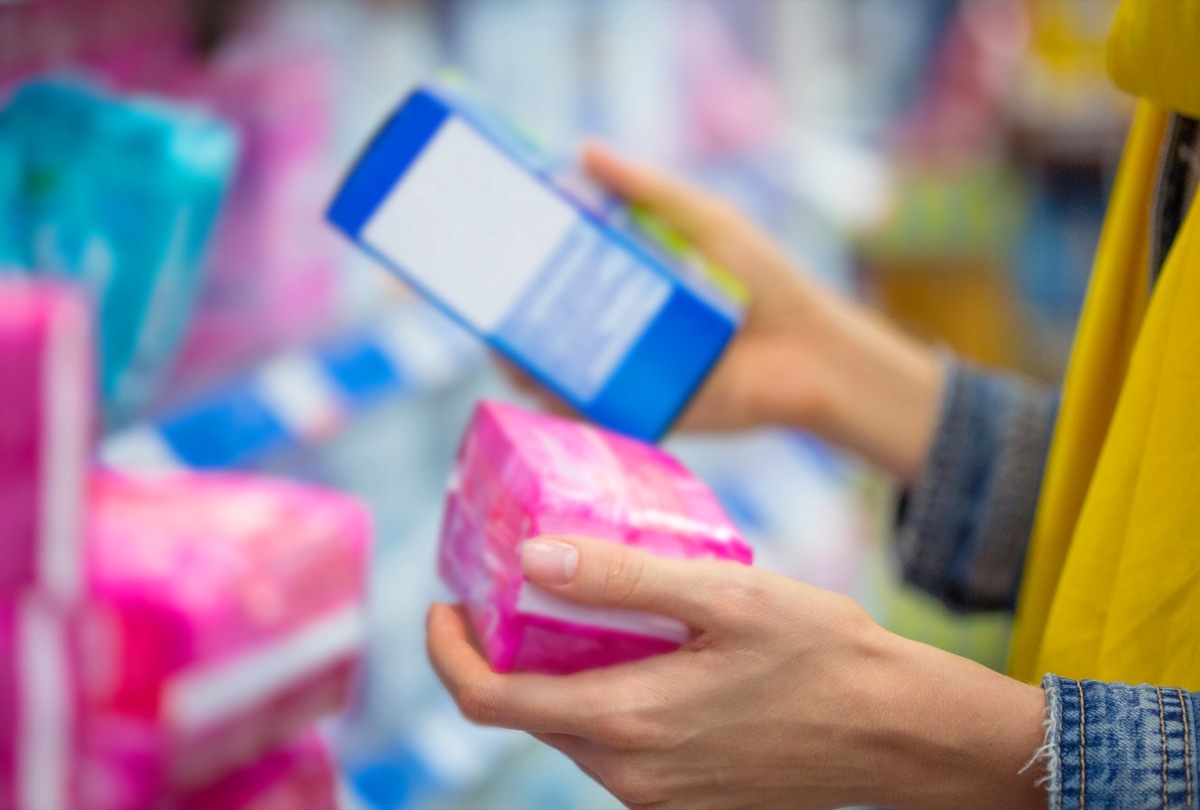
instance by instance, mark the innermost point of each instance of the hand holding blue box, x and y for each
(466, 211)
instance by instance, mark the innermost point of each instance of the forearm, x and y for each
(878, 390)
(951, 733)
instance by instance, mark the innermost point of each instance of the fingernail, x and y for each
(551, 562)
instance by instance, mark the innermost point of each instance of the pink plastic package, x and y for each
(231, 611)
(520, 475)
(265, 256)
(39, 705)
(301, 774)
(45, 377)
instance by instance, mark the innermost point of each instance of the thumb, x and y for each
(700, 217)
(602, 573)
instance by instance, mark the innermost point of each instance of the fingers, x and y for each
(698, 215)
(608, 574)
(536, 703)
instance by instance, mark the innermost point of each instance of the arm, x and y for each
(965, 523)
(969, 445)
(805, 357)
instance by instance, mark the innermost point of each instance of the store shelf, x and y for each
(301, 396)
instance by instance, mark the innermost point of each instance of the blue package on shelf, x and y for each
(300, 396)
(121, 194)
(477, 219)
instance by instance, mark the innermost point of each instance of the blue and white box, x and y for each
(469, 213)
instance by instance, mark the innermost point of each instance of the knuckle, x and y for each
(629, 731)
(631, 784)
(739, 594)
(622, 576)
(476, 702)
(619, 731)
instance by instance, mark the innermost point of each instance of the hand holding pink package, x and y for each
(520, 475)
(234, 607)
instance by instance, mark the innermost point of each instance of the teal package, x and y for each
(9, 176)
(121, 194)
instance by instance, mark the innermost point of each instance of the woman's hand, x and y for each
(804, 357)
(787, 696)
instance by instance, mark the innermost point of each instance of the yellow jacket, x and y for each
(1111, 583)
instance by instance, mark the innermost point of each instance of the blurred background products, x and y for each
(948, 160)
(47, 374)
(45, 435)
(121, 195)
(300, 774)
(160, 636)
(229, 614)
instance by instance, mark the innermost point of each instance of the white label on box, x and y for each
(469, 225)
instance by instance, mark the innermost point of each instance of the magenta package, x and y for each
(40, 703)
(233, 608)
(45, 426)
(301, 774)
(266, 257)
(520, 475)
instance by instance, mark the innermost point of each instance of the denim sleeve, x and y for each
(964, 526)
(1111, 745)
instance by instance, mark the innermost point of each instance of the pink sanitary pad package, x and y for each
(45, 422)
(520, 475)
(232, 614)
(301, 774)
(39, 705)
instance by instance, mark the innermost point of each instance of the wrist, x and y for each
(952, 733)
(878, 390)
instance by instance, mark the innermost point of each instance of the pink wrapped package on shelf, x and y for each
(231, 610)
(266, 257)
(520, 475)
(40, 700)
(301, 774)
(45, 424)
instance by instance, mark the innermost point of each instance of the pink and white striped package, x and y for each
(39, 705)
(300, 774)
(45, 425)
(521, 475)
(232, 609)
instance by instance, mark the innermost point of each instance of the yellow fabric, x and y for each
(1107, 330)
(1112, 584)
(1154, 52)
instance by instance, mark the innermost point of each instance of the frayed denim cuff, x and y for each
(1112, 745)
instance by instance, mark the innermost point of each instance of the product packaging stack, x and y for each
(233, 609)
(301, 774)
(164, 642)
(120, 193)
(521, 475)
(46, 380)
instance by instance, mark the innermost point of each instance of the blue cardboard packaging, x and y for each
(509, 242)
